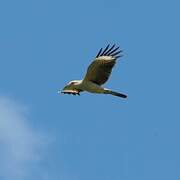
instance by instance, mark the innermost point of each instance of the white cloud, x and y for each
(21, 147)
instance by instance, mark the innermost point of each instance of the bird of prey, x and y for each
(97, 74)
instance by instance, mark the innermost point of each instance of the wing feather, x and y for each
(99, 53)
(109, 54)
(105, 50)
(109, 50)
(100, 69)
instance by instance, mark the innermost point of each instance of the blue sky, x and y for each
(44, 135)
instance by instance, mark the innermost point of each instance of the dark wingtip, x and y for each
(105, 50)
(109, 49)
(98, 54)
(112, 51)
(116, 53)
(118, 56)
(72, 93)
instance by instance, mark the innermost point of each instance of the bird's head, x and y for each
(73, 83)
(71, 86)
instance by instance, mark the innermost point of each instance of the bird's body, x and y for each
(91, 87)
(97, 74)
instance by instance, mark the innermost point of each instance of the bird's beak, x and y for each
(61, 91)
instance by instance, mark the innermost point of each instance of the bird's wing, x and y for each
(100, 69)
(74, 92)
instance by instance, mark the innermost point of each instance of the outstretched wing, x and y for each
(100, 69)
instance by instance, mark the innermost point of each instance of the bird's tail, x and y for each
(118, 94)
(115, 93)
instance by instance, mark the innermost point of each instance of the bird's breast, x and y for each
(92, 87)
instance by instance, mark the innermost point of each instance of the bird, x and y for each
(97, 74)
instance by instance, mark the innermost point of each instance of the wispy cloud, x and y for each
(21, 147)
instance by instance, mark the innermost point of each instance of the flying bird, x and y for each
(97, 74)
